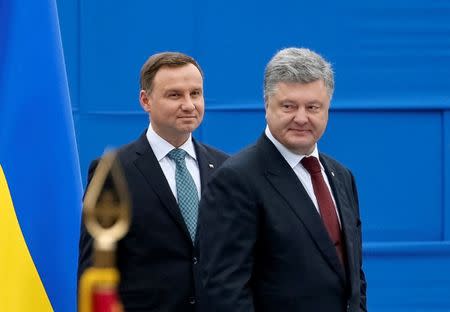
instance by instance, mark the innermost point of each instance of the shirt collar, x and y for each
(161, 147)
(292, 158)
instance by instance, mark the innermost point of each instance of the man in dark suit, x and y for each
(165, 170)
(280, 221)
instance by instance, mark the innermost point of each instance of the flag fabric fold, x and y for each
(40, 183)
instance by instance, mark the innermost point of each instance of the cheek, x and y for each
(284, 120)
(201, 114)
(320, 126)
(201, 107)
(171, 109)
(274, 116)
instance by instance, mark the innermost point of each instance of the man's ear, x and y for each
(266, 101)
(145, 101)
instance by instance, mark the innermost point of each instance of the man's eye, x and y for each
(174, 95)
(196, 93)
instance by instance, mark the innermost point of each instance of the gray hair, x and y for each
(297, 65)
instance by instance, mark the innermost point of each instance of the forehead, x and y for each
(315, 90)
(182, 76)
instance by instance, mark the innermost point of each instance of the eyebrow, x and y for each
(181, 90)
(314, 102)
(173, 90)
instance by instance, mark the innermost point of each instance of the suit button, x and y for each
(348, 307)
(194, 260)
(191, 300)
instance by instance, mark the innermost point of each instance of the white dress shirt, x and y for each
(161, 148)
(303, 175)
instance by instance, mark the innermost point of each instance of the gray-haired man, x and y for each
(280, 221)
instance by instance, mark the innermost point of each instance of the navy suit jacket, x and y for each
(157, 260)
(264, 246)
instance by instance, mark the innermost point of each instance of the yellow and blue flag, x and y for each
(40, 183)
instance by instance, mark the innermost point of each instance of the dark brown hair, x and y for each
(159, 60)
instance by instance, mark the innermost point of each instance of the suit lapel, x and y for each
(286, 182)
(206, 164)
(149, 166)
(345, 213)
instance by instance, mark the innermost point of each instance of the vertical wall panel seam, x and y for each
(446, 173)
(196, 53)
(78, 60)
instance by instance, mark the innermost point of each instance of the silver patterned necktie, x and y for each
(186, 191)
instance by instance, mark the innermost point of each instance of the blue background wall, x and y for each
(389, 122)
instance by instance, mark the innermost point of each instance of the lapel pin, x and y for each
(211, 166)
(332, 173)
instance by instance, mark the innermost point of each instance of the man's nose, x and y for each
(301, 116)
(188, 104)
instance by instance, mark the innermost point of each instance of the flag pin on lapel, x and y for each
(211, 166)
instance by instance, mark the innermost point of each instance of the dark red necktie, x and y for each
(326, 205)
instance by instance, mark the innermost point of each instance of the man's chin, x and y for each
(187, 129)
(188, 123)
(301, 148)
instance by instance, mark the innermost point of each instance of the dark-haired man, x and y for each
(166, 170)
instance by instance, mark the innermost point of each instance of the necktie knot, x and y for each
(177, 155)
(311, 164)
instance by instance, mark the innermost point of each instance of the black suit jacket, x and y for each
(156, 259)
(264, 246)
